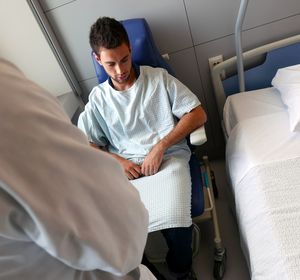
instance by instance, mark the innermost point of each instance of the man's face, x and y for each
(116, 63)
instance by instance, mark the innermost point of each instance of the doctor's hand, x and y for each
(153, 161)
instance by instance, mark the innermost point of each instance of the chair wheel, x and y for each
(220, 263)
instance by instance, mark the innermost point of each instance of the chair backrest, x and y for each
(144, 50)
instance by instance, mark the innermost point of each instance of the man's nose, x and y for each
(119, 69)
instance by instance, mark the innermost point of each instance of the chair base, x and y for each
(210, 213)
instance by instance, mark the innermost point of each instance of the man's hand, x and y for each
(153, 160)
(188, 123)
(132, 170)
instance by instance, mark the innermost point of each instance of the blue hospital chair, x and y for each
(144, 52)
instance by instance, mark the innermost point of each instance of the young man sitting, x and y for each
(141, 116)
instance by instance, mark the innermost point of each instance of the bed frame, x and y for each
(279, 54)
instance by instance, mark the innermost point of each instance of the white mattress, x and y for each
(259, 121)
(260, 140)
(251, 104)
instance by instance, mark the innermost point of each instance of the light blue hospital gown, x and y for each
(130, 122)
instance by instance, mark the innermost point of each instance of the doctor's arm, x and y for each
(75, 202)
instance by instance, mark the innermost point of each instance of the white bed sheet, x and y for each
(259, 138)
(259, 121)
(268, 207)
(251, 104)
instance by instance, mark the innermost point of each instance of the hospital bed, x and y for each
(144, 52)
(263, 159)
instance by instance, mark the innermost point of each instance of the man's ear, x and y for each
(97, 57)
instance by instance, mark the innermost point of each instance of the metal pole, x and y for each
(238, 43)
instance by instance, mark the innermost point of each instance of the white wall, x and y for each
(190, 31)
(23, 43)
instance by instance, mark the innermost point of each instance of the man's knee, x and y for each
(178, 237)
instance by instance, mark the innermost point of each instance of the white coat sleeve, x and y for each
(79, 206)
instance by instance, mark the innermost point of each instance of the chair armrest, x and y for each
(198, 137)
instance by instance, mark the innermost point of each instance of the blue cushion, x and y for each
(197, 187)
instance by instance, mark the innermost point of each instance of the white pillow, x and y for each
(287, 81)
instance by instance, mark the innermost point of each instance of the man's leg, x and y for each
(180, 254)
(152, 268)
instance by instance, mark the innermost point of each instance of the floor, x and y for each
(236, 267)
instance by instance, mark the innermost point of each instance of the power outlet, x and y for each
(213, 61)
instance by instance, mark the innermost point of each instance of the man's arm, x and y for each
(132, 170)
(187, 124)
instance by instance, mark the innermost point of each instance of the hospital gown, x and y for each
(66, 211)
(130, 122)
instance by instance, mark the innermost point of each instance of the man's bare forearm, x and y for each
(187, 124)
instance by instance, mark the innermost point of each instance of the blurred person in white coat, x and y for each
(66, 211)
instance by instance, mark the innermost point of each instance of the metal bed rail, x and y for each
(231, 62)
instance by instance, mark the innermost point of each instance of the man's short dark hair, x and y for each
(107, 33)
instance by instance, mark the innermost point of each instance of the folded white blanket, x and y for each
(167, 195)
(268, 210)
